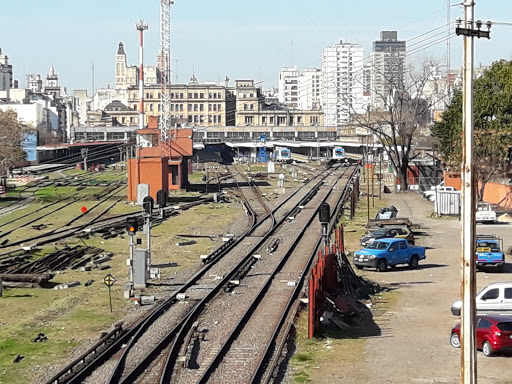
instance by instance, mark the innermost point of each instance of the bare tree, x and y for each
(12, 134)
(402, 110)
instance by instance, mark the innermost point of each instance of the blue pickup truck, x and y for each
(489, 252)
(384, 253)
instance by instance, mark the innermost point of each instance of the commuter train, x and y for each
(338, 153)
(282, 154)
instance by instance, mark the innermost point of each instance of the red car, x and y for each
(493, 334)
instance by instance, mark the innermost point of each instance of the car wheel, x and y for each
(454, 340)
(501, 268)
(487, 349)
(413, 263)
(382, 265)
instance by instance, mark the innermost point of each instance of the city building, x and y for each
(288, 86)
(252, 109)
(299, 90)
(128, 75)
(6, 82)
(310, 88)
(388, 67)
(342, 82)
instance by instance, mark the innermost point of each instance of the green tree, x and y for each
(12, 134)
(492, 105)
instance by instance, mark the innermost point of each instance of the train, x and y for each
(338, 153)
(282, 154)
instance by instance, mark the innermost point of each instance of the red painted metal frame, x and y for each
(324, 277)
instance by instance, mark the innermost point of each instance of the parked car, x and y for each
(489, 252)
(384, 253)
(484, 213)
(431, 194)
(386, 213)
(496, 298)
(401, 232)
(493, 334)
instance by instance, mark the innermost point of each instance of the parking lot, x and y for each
(414, 344)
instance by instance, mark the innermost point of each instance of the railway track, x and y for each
(233, 351)
(204, 282)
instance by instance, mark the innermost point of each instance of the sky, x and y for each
(240, 39)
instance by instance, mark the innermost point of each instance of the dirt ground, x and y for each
(414, 343)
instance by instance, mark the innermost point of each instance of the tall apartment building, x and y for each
(299, 90)
(342, 82)
(309, 88)
(289, 86)
(388, 67)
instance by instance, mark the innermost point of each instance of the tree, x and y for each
(12, 134)
(492, 111)
(404, 108)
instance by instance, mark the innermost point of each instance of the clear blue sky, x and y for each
(237, 38)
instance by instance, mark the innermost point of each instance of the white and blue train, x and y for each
(282, 154)
(338, 153)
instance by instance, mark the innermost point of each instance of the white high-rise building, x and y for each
(309, 88)
(298, 90)
(342, 82)
(289, 86)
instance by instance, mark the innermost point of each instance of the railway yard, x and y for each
(234, 255)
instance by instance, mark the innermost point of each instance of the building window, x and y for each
(245, 107)
(196, 107)
(263, 120)
(249, 119)
(201, 95)
(281, 120)
(251, 107)
(195, 95)
(115, 135)
(190, 95)
(201, 107)
(271, 119)
(190, 106)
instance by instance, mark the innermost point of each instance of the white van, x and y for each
(495, 299)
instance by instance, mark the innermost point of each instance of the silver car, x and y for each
(495, 299)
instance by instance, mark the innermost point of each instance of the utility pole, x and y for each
(468, 374)
(141, 27)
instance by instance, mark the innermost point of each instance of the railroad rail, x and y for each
(77, 371)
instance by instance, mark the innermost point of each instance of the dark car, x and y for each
(493, 334)
(401, 232)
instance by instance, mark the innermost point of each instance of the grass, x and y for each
(72, 318)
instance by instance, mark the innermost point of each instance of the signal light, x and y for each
(325, 213)
(132, 226)
(161, 198)
(147, 205)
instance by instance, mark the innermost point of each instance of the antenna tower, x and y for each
(165, 70)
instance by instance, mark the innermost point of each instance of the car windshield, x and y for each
(379, 232)
(506, 327)
(378, 245)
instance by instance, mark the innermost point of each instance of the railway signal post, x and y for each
(325, 216)
(147, 210)
(131, 228)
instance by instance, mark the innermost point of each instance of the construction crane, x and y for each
(165, 69)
